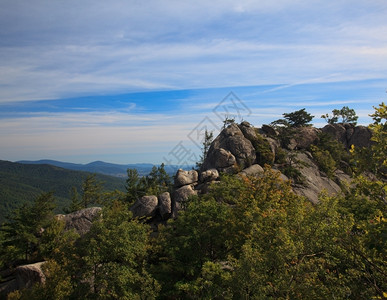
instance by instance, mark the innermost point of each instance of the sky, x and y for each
(139, 81)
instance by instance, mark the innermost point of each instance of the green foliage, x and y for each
(290, 167)
(324, 160)
(228, 121)
(23, 231)
(263, 150)
(379, 137)
(373, 158)
(208, 138)
(157, 182)
(109, 262)
(346, 114)
(22, 183)
(295, 119)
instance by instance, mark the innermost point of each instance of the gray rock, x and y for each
(81, 220)
(248, 131)
(232, 141)
(254, 170)
(315, 181)
(361, 137)
(306, 136)
(146, 206)
(180, 196)
(28, 275)
(268, 130)
(165, 205)
(185, 177)
(209, 175)
(338, 131)
(219, 159)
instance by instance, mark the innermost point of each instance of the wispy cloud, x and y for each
(84, 57)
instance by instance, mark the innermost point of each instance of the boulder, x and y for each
(28, 275)
(209, 175)
(253, 170)
(269, 130)
(185, 177)
(180, 196)
(165, 205)
(361, 137)
(146, 206)
(183, 193)
(305, 136)
(219, 159)
(232, 141)
(248, 131)
(80, 220)
(337, 131)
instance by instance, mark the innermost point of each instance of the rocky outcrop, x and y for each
(306, 136)
(81, 220)
(146, 206)
(314, 181)
(361, 137)
(230, 147)
(243, 149)
(348, 134)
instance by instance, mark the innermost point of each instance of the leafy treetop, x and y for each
(299, 118)
(346, 114)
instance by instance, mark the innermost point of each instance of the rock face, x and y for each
(306, 136)
(21, 278)
(229, 147)
(165, 205)
(28, 275)
(146, 206)
(348, 134)
(315, 181)
(80, 220)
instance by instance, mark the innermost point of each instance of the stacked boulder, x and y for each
(243, 149)
(166, 205)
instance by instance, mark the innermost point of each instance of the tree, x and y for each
(155, 183)
(91, 191)
(295, 119)
(158, 180)
(109, 262)
(379, 137)
(135, 186)
(228, 121)
(23, 231)
(208, 138)
(347, 116)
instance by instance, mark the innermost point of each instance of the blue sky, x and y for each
(135, 81)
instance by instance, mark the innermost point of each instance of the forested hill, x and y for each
(21, 183)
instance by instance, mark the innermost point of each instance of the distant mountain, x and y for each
(21, 183)
(101, 167)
